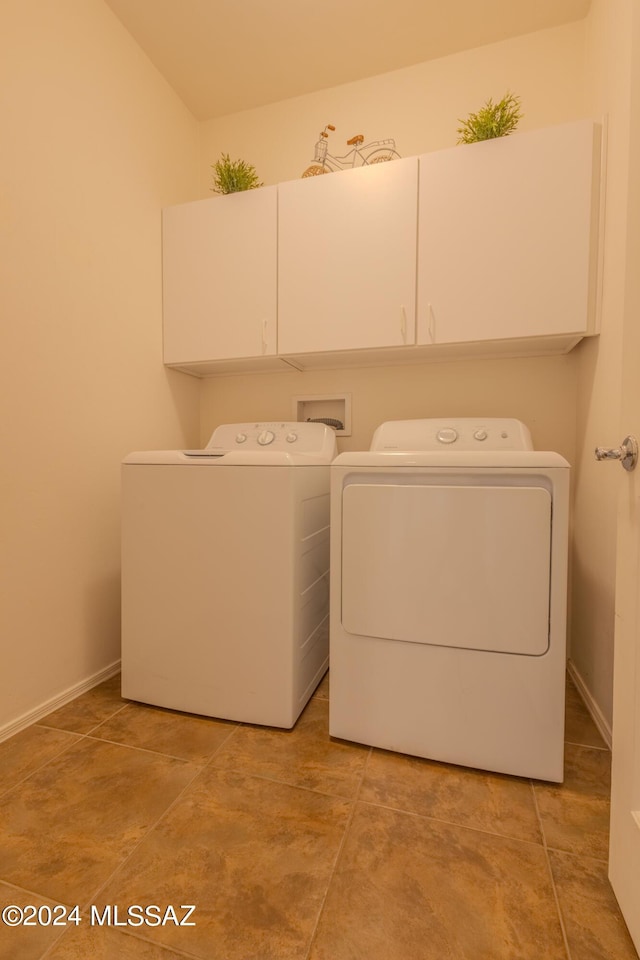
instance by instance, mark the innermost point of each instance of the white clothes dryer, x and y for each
(225, 572)
(448, 595)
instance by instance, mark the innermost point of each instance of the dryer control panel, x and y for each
(461, 433)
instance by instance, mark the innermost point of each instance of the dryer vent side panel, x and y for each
(455, 566)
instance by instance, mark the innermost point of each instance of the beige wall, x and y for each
(94, 143)
(599, 370)
(418, 106)
(539, 391)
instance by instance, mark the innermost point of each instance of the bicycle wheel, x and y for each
(314, 170)
(381, 156)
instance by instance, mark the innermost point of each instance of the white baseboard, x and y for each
(591, 705)
(15, 726)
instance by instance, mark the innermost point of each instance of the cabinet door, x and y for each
(347, 259)
(507, 236)
(219, 277)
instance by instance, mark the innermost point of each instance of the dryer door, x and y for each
(453, 565)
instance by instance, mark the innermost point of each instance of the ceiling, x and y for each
(222, 56)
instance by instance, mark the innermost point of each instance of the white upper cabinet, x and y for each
(507, 237)
(497, 241)
(219, 277)
(347, 259)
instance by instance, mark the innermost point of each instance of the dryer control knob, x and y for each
(266, 437)
(480, 435)
(241, 437)
(447, 435)
(292, 437)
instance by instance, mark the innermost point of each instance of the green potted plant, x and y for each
(492, 120)
(231, 176)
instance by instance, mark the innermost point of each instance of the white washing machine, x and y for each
(448, 595)
(225, 572)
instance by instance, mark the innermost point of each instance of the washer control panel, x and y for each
(460, 433)
(291, 437)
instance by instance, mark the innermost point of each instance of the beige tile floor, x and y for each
(293, 846)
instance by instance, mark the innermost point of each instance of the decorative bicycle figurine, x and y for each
(362, 154)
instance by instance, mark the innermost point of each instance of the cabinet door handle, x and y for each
(431, 324)
(264, 337)
(403, 324)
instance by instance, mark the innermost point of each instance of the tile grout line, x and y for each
(52, 946)
(571, 855)
(588, 746)
(338, 856)
(238, 771)
(171, 951)
(38, 896)
(209, 765)
(96, 893)
(91, 899)
(79, 737)
(158, 753)
(199, 770)
(91, 735)
(550, 871)
(82, 733)
(229, 736)
(452, 823)
(115, 713)
(46, 763)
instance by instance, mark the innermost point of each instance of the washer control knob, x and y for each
(447, 435)
(266, 437)
(241, 437)
(480, 435)
(292, 437)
